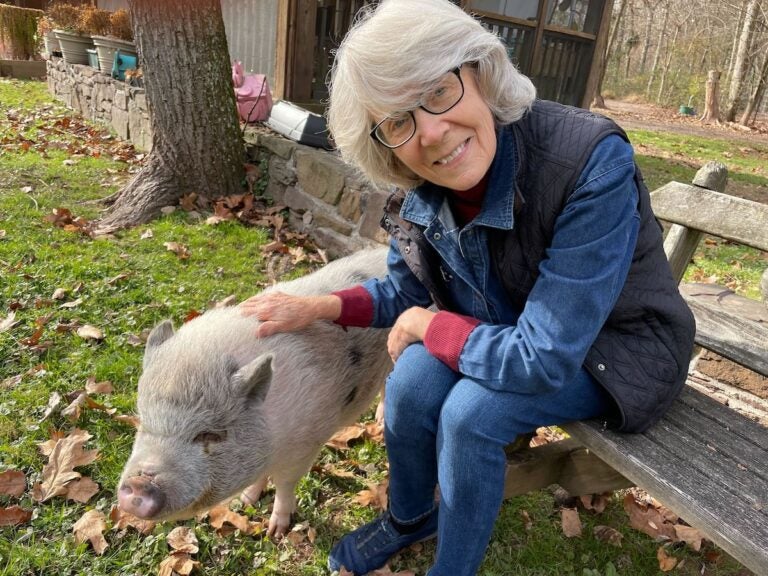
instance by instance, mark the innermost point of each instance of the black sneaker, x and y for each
(370, 546)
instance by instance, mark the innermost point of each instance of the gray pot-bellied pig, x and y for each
(222, 410)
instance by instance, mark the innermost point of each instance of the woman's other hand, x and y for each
(410, 327)
(280, 312)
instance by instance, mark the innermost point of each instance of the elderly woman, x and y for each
(527, 225)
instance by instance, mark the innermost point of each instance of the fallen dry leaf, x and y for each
(666, 562)
(527, 522)
(179, 249)
(183, 539)
(691, 536)
(343, 437)
(219, 515)
(89, 332)
(59, 294)
(91, 527)
(14, 515)
(66, 454)
(122, 521)
(13, 483)
(571, 522)
(8, 322)
(74, 409)
(93, 387)
(596, 502)
(647, 519)
(53, 401)
(608, 534)
(82, 490)
(375, 496)
(178, 563)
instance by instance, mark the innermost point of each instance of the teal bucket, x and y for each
(687, 111)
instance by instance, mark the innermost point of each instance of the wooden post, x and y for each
(681, 242)
(712, 98)
(599, 59)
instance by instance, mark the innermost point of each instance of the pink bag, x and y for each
(254, 99)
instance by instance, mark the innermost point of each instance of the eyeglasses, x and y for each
(398, 128)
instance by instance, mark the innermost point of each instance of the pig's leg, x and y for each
(251, 495)
(285, 502)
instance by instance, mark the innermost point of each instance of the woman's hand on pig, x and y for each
(410, 327)
(280, 312)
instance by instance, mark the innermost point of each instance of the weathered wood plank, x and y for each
(731, 325)
(676, 468)
(736, 219)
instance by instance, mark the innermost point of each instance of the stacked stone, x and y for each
(100, 97)
(328, 200)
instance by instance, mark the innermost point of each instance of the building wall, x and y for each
(251, 27)
(252, 34)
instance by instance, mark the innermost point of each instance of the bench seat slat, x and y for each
(721, 444)
(738, 424)
(730, 325)
(731, 513)
(743, 478)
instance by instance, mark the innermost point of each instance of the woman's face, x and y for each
(454, 149)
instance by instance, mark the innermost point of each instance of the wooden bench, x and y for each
(705, 460)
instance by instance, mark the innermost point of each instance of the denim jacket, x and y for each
(540, 347)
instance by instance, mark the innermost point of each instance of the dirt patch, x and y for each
(642, 116)
(731, 373)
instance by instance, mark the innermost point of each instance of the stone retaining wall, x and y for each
(327, 200)
(98, 96)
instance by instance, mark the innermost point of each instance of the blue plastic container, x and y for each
(122, 63)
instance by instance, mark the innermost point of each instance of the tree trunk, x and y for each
(196, 141)
(650, 9)
(735, 45)
(659, 46)
(712, 98)
(741, 62)
(757, 94)
(667, 63)
(598, 101)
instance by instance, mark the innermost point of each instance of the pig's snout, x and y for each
(138, 496)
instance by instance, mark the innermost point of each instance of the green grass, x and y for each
(37, 258)
(747, 164)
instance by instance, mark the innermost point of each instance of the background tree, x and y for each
(196, 141)
(685, 40)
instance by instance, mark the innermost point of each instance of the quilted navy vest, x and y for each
(641, 354)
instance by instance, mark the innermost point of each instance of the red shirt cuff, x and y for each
(356, 307)
(446, 335)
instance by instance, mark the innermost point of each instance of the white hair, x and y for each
(391, 55)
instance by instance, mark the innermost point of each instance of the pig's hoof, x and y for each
(278, 525)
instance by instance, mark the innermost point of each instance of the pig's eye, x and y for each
(207, 437)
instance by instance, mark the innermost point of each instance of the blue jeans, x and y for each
(442, 428)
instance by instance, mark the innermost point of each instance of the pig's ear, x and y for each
(159, 334)
(254, 378)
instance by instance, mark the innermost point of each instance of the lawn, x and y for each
(55, 280)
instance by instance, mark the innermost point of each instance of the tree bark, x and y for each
(196, 141)
(657, 54)
(667, 63)
(757, 94)
(650, 9)
(598, 101)
(712, 98)
(741, 62)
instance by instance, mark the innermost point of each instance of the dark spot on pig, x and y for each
(355, 355)
(210, 437)
(351, 396)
